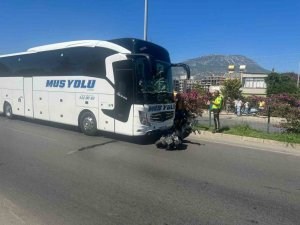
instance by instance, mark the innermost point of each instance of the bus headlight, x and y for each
(143, 118)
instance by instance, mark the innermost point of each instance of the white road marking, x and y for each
(72, 152)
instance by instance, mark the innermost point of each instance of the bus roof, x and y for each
(71, 44)
(137, 46)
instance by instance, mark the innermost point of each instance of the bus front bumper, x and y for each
(148, 131)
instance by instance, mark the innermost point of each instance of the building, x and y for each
(254, 83)
(184, 85)
(180, 84)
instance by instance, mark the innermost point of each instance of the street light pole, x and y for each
(146, 21)
(298, 75)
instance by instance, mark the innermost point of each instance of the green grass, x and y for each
(246, 130)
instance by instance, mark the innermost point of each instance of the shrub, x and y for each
(193, 102)
(279, 109)
(292, 116)
(286, 106)
(282, 105)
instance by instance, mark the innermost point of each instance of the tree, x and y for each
(232, 89)
(280, 83)
(293, 75)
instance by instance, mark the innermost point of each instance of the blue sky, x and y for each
(267, 31)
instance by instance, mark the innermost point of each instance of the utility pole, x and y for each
(146, 21)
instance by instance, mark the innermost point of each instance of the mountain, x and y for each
(218, 64)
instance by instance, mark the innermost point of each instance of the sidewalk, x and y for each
(223, 114)
(255, 122)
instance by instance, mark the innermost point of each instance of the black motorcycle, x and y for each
(183, 126)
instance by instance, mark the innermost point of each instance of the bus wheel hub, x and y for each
(88, 123)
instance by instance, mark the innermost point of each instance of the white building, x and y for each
(184, 85)
(254, 83)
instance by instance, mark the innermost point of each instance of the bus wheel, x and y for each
(8, 110)
(88, 124)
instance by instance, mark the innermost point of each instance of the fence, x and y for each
(263, 123)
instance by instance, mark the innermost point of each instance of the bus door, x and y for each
(124, 88)
(28, 102)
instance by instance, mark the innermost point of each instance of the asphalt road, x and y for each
(56, 175)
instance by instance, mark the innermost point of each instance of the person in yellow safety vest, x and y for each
(261, 106)
(216, 108)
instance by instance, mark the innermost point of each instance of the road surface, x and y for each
(55, 175)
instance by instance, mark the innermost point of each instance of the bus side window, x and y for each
(4, 70)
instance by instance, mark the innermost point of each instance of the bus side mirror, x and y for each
(185, 67)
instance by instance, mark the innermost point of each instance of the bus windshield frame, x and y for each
(154, 84)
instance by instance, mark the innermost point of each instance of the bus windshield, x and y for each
(154, 85)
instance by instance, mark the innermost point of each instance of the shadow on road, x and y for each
(142, 140)
(47, 123)
(96, 145)
(181, 147)
(193, 143)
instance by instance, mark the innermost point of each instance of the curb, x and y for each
(242, 139)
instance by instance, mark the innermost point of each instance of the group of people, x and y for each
(241, 107)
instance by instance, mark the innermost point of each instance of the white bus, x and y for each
(122, 86)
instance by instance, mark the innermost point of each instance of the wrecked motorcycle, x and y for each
(183, 126)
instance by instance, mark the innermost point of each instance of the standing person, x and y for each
(261, 107)
(216, 108)
(246, 107)
(239, 104)
(180, 109)
(235, 106)
(228, 105)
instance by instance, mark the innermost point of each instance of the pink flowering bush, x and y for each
(195, 102)
(286, 106)
(279, 109)
(285, 98)
(293, 120)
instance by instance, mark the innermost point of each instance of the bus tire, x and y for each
(7, 110)
(88, 123)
